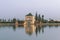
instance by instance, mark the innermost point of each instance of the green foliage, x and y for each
(39, 18)
(42, 18)
(45, 21)
(36, 17)
(14, 20)
(0, 20)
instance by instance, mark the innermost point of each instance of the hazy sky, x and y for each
(19, 8)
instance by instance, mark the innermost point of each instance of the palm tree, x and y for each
(42, 18)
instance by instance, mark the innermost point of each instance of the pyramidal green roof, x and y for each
(29, 14)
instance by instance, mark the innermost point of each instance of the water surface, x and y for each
(30, 33)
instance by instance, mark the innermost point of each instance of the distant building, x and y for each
(29, 19)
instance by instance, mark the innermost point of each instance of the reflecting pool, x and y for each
(30, 33)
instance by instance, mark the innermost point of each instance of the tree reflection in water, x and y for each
(37, 29)
(34, 28)
(14, 27)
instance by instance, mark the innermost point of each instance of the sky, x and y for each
(19, 8)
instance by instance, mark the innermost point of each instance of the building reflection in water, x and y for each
(29, 29)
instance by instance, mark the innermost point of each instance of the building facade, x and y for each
(29, 19)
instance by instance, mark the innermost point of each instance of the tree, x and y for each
(0, 20)
(42, 18)
(4, 20)
(39, 18)
(36, 17)
(14, 20)
(9, 20)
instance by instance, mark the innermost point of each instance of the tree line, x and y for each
(10, 20)
(39, 18)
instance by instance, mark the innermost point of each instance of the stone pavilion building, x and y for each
(29, 19)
